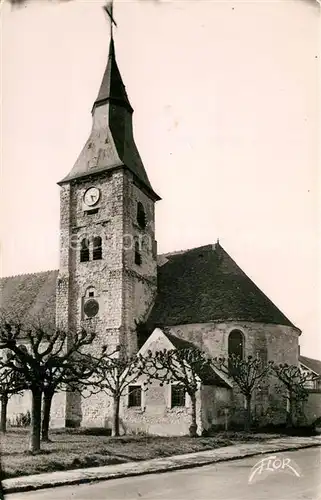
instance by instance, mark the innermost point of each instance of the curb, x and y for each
(154, 470)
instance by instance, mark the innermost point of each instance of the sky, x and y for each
(226, 121)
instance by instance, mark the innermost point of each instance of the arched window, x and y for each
(97, 250)
(141, 217)
(84, 250)
(90, 292)
(236, 344)
(138, 257)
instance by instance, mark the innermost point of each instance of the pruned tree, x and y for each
(118, 371)
(185, 366)
(48, 360)
(11, 382)
(296, 391)
(246, 373)
(70, 368)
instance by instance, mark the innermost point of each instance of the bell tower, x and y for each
(108, 271)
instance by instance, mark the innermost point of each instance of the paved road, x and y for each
(223, 481)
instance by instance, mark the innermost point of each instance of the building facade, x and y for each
(111, 279)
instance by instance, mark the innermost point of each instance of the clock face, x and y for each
(91, 196)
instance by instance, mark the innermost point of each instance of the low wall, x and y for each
(20, 404)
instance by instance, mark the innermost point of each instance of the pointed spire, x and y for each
(112, 87)
(111, 142)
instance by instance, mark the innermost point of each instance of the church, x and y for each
(112, 279)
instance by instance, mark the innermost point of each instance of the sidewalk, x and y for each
(62, 478)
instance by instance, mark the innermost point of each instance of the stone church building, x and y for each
(111, 278)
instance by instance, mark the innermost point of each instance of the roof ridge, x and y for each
(28, 274)
(184, 342)
(308, 357)
(178, 252)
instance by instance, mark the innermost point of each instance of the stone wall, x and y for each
(21, 404)
(214, 400)
(123, 289)
(312, 407)
(281, 342)
(156, 416)
(273, 342)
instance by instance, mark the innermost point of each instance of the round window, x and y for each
(91, 308)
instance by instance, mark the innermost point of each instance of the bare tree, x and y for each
(247, 374)
(296, 384)
(118, 371)
(11, 383)
(185, 366)
(70, 369)
(48, 360)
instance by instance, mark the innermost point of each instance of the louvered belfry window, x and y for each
(97, 248)
(141, 216)
(84, 250)
(138, 257)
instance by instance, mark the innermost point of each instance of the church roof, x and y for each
(312, 364)
(30, 295)
(207, 374)
(205, 284)
(111, 143)
(112, 86)
(194, 286)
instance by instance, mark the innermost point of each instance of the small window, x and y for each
(90, 292)
(97, 250)
(84, 250)
(141, 217)
(138, 257)
(134, 396)
(177, 395)
(92, 212)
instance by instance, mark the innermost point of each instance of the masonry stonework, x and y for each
(279, 343)
(195, 295)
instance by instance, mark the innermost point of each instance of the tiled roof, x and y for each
(194, 286)
(30, 295)
(112, 145)
(207, 374)
(112, 86)
(204, 284)
(313, 364)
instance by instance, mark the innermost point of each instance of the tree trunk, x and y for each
(290, 416)
(193, 426)
(248, 414)
(2, 477)
(34, 445)
(4, 405)
(47, 400)
(115, 424)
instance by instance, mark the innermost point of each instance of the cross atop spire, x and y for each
(111, 143)
(109, 9)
